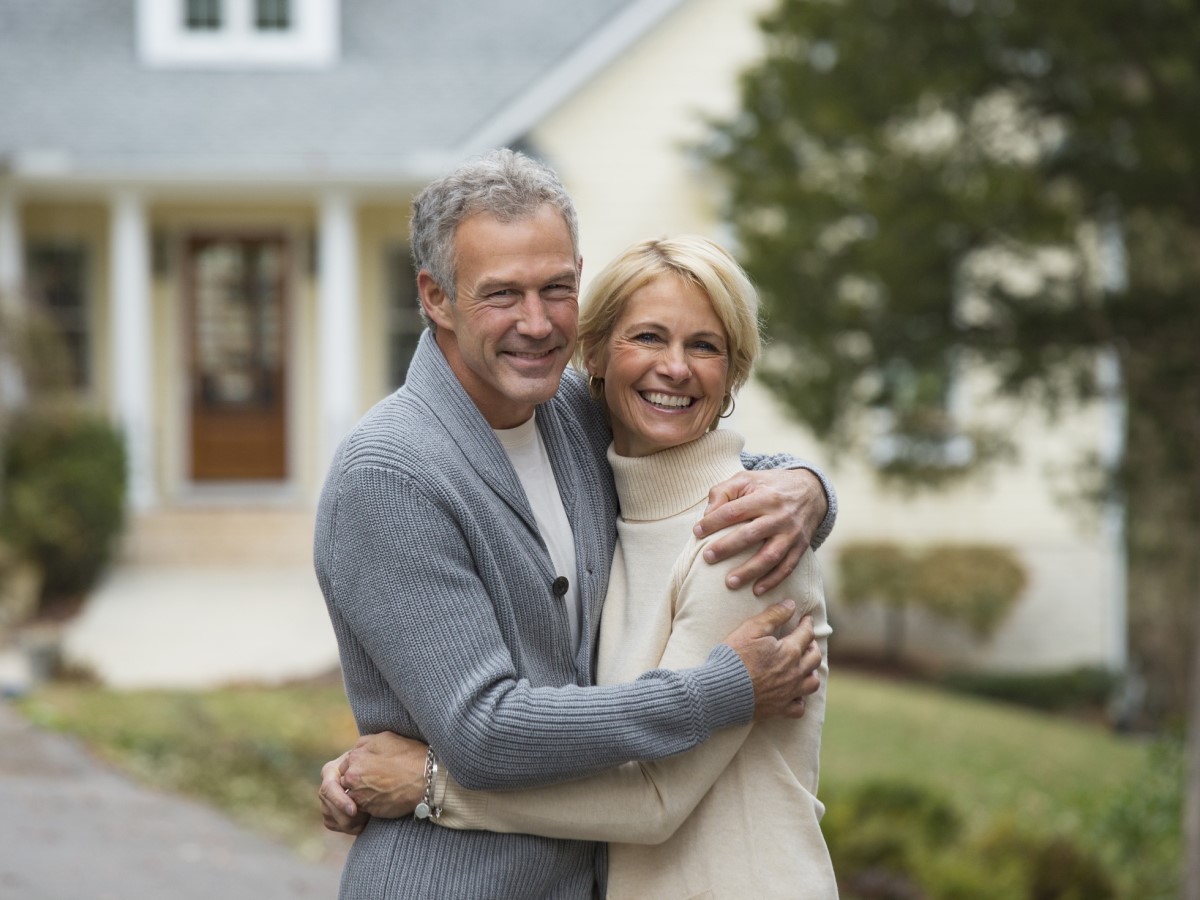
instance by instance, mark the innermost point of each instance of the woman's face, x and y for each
(665, 367)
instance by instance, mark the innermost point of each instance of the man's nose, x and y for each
(534, 322)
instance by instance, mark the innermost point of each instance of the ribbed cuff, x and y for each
(725, 689)
(826, 526)
(463, 809)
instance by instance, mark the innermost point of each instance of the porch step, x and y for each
(219, 536)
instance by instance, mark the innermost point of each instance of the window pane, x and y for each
(404, 324)
(58, 287)
(203, 15)
(273, 15)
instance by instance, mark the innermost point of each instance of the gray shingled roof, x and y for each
(414, 81)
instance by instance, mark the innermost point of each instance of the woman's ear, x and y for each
(595, 363)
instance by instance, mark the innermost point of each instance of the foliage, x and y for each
(896, 839)
(1003, 769)
(975, 585)
(927, 188)
(1138, 829)
(64, 494)
(1085, 688)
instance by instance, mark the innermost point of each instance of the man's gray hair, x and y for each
(502, 183)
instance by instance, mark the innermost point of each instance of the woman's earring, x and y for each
(595, 387)
(728, 406)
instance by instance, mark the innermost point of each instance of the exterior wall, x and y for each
(618, 145)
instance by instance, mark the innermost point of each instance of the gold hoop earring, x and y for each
(731, 403)
(595, 386)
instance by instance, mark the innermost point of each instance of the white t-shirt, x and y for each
(525, 449)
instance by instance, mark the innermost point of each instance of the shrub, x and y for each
(974, 585)
(1084, 688)
(64, 492)
(893, 840)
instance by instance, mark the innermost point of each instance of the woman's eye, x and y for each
(647, 337)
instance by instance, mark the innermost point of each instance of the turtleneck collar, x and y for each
(666, 483)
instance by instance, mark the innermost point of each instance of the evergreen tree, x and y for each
(925, 188)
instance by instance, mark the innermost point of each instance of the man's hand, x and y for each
(338, 811)
(384, 774)
(780, 509)
(783, 669)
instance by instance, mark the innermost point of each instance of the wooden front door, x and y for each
(238, 359)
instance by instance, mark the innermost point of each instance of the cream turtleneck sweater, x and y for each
(736, 817)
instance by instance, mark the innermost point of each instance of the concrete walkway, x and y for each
(202, 626)
(73, 829)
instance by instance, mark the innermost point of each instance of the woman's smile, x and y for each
(665, 368)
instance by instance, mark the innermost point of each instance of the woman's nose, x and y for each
(674, 364)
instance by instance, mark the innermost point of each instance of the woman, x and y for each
(668, 334)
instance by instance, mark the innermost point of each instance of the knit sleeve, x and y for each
(755, 462)
(644, 803)
(404, 591)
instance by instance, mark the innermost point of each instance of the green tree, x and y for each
(1009, 188)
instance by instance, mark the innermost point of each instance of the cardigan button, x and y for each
(560, 586)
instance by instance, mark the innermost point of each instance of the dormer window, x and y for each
(225, 34)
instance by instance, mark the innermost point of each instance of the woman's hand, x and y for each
(338, 811)
(779, 509)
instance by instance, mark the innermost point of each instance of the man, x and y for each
(465, 581)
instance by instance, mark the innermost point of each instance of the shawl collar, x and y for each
(433, 383)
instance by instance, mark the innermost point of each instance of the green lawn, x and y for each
(989, 757)
(256, 752)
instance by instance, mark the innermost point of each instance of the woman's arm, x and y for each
(646, 802)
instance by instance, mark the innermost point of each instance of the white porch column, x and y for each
(12, 273)
(337, 321)
(132, 366)
(12, 277)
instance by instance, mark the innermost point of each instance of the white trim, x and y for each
(337, 321)
(12, 263)
(129, 260)
(576, 70)
(164, 41)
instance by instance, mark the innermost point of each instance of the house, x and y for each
(212, 197)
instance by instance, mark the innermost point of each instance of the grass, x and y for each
(991, 758)
(256, 753)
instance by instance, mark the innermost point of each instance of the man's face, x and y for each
(512, 329)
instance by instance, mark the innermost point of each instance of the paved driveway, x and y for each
(73, 829)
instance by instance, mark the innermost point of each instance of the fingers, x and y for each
(331, 790)
(769, 621)
(718, 497)
(768, 568)
(338, 811)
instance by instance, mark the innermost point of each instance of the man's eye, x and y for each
(560, 291)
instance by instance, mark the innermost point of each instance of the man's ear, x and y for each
(434, 300)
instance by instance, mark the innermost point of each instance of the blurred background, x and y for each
(975, 225)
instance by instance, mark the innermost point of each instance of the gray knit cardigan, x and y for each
(441, 594)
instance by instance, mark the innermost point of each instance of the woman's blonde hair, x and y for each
(699, 260)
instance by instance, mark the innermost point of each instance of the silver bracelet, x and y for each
(426, 809)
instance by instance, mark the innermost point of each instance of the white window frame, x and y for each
(165, 41)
